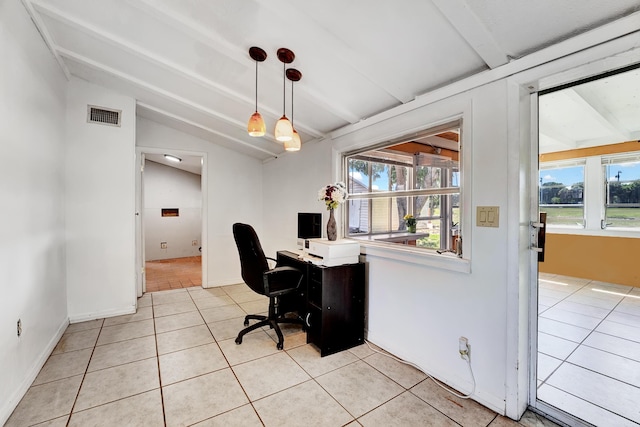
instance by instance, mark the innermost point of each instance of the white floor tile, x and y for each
(546, 366)
(587, 310)
(619, 330)
(588, 412)
(562, 330)
(554, 346)
(607, 304)
(575, 319)
(615, 345)
(629, 307)
(624, 318)
(611, 365)
(598, 389)
(269, 375)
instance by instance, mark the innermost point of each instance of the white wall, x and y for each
(32, 255)
(291, 185)
(100, 209)
(167, 187)
(415, 310)
(234, 194)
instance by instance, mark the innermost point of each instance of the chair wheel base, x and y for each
(238, 341)
(279, 346)
(246, 323)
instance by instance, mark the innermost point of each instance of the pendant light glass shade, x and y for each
(256, 126)
(294, 144)
(284, 130)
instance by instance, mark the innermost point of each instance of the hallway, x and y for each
(175, 273)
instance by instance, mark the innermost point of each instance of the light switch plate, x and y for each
(487, 216)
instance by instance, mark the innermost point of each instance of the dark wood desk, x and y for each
(331, 301)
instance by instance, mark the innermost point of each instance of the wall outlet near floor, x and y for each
(464, 348)
(194, 243)
(19, 327)
(163, 245)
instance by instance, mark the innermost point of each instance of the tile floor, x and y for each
(175, 273)
(175, 363)
(589, 349)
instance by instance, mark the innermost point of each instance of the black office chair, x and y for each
(273, 283)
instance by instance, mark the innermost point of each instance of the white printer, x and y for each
(331, 253)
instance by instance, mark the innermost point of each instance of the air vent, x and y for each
(103, 116)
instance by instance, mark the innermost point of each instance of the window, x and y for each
(562, 193)
(622, 191)
(418, 176)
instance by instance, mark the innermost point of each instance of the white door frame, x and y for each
(600, 58)
(140, 254)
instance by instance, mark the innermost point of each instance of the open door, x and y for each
(140, 277)
(585, 316)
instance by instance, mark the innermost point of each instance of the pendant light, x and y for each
(256, 126)
(284, 129)
(295, 143)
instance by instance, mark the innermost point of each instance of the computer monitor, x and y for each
(309, 227)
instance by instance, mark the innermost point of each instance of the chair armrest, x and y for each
(281, 280)
(272, 262)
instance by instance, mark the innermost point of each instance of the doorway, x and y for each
(171, 209)
(587, 362)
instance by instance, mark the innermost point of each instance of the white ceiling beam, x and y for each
(469, 26)
(549, 134)
(604, 116)
(381, 75)
(158, 91)
(206, 36)
(202, 127)
(594, 112)
(146, 55)
(623, 33)
(44, 33)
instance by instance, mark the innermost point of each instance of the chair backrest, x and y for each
(253, 262)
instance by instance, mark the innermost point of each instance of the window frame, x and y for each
(370, 194)
(561, 164)
(594, 197)
(605, 161)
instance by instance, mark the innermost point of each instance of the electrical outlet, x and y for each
(163, 245)
(464, 348)
(19, 327)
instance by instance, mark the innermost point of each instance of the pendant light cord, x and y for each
(284, 89)
(256, 85)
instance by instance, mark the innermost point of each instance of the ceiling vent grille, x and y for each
(103, 116)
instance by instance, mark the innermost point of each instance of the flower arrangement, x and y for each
(410, 220)
(333, 195)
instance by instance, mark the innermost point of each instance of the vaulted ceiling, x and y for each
(187, 63)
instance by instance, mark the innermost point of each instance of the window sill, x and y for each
(412, 255)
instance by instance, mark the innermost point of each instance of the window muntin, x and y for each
(621, 191)
(562, 193)
(420, 177)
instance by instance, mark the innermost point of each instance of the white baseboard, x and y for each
(102, 314)
(7, 408)
(224, 282)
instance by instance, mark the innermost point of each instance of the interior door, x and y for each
(140, 276)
